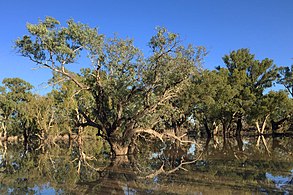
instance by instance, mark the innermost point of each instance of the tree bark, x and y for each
(119, 149)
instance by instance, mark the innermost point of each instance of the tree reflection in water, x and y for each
(213, 166)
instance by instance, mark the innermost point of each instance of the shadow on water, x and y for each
(230, 166)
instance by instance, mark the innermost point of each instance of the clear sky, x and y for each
(263, 26)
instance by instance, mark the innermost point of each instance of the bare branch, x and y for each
(149, 109)
(79, 48)
(62, 71)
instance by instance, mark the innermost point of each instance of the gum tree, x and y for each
(214, 101)
(250, 77)
(276, 106)
(128, 92)
(14, 95)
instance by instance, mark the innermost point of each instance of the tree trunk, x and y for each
(206, 147)
(208, 131)
(262, 129)
(4, 131)
(239, 126)
(44, 134)
(114, 178)
(119, 149)
(224, 130)
(264, 125)
(239, 142)
(121, 145)
(5, 134)
(215, 128)
(276, 125)
(25, 135)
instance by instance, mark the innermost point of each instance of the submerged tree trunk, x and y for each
(215, 128)
(239, 126)
(206, 147)
(119, 149)
(239, 142)
(25, 135)
(224, 130)
(113, 178)
(276, 125)
(238, 133)
(124, 145)
(208, 131)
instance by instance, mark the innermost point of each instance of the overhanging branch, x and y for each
(91, 123)
(160, 136)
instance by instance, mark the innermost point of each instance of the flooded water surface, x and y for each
(216, 166)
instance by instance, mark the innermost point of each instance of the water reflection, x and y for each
(230, 166)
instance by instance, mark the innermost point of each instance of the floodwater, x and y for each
(232, 166)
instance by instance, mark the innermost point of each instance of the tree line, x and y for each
(121, 94)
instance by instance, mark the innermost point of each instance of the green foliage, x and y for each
(214, 97)
(48, 42)
(286, 78)
(124, 91)
(14, 95)
(250, 77)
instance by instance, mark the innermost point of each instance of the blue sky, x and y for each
(264, 26)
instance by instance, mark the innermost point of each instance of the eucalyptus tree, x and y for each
(250, 77)
(128, 91)
(281, 112)
(214, 102)
(280, 106)
(276, 106)
(40, 114)
(205, 89)
(177, 114)
(14, 94)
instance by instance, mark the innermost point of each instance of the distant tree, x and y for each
(41, 117)
(286, 78)
(281, 110)
(214, 100)
(250, 77)
(14, 94)
(274, 107)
